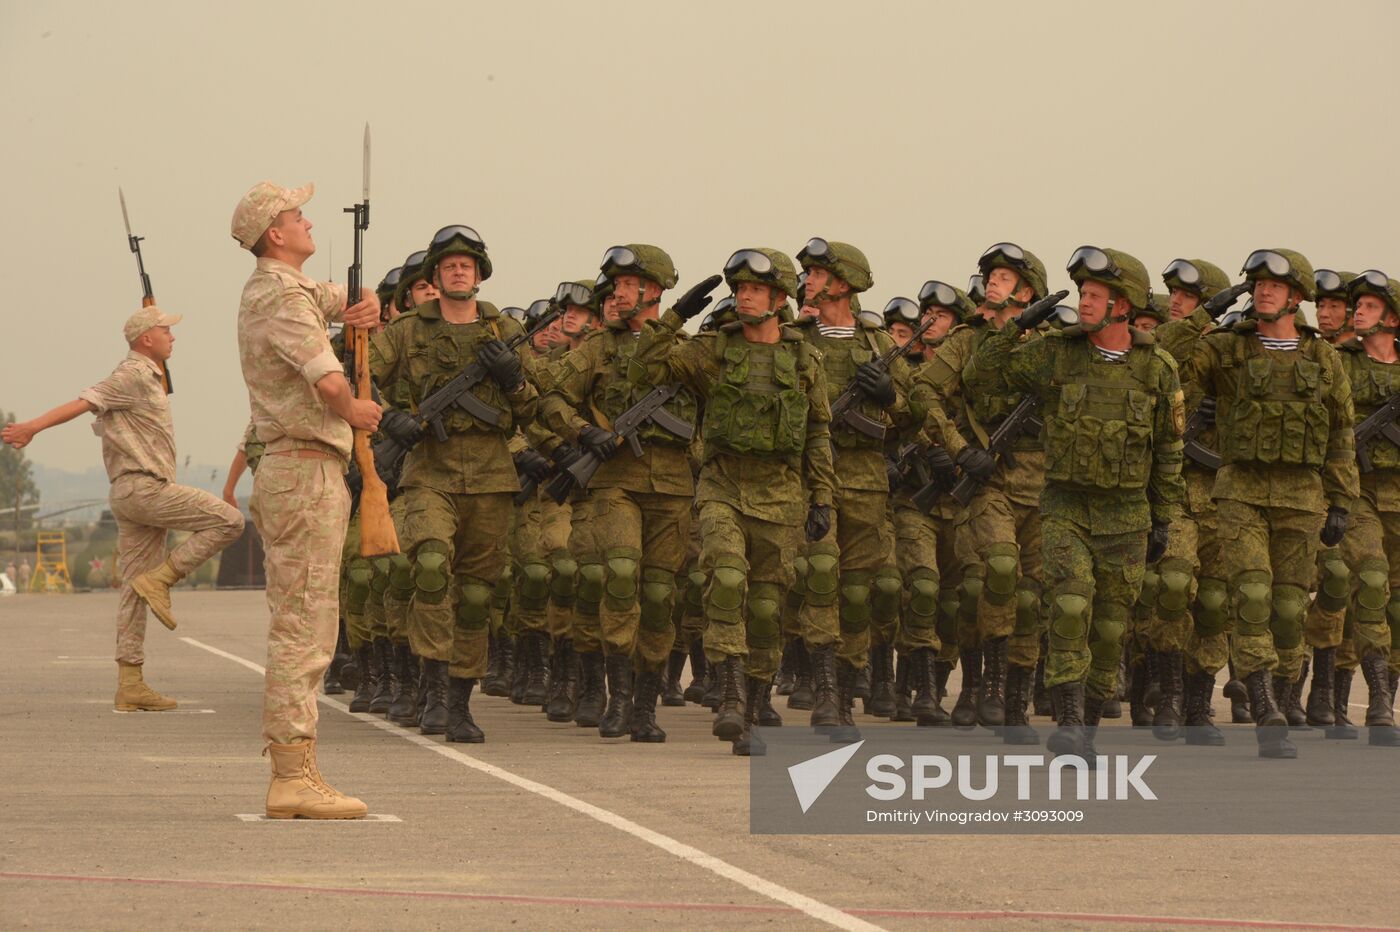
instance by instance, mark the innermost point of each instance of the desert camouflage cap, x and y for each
(261, 205)
(145, 319)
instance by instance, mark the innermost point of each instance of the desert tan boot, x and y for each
(154, 590)
(297, 790)
(133, 695)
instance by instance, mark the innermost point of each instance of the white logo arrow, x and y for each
(811, 777)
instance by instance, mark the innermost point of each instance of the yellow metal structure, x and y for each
(51, 564)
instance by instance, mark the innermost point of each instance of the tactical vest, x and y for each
(1098, 434)
(757, 407)
(629, 384)
(1278, 414)
(1371, 384)
(990, 408)
(438, 351)
(841, 359)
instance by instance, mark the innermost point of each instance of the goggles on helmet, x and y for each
(514, 313)
(752, 260)
(572, 293)
(1007, 252)
(1375, 278)
(620, 260)
(977, 289)
(1267, 260)
(1329, 282)
(902, 310)
(1181, 273)
(447, 234)
(938, 293)
(1093, 260)
(537, 309)
(816, 249)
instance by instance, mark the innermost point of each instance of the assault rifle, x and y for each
(1192, 446)
(1379, 424)
(148, 297)
(625, 427)
(1225, 300)
(844, 410)
(933, 484)
(1021, 420)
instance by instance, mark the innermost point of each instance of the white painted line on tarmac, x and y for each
(372, 817)
(804, 904)
(167, 711)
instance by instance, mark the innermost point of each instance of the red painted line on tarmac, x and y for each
(999, 915)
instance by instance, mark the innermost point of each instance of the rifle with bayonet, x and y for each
(1380, 423)
(377, 535)
(844, 409)
(625, 428)
(148, 297)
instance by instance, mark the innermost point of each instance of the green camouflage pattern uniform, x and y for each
(765, 428)
(1112, 468)
(457, 493)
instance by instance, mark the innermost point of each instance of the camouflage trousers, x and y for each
(147, 509)
(1324, 625)
(916, 551)
(1172, 584)
(1268, 556)
(861, 540)
(1000, 548)
(554, 546)
(465, 535)
(954, 631)
(529, 583)
(1371, 549)
(355, 577)
(642, 537)
(398, 581)
(689, 616)
(748, 568)
(585, 627)
(301, 508)
(1093, 581)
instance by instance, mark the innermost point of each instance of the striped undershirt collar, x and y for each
(838, 332)
(1278, 343)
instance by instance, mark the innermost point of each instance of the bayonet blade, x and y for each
(125, 219)
(366, 171)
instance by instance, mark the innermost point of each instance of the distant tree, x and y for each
(16, 474)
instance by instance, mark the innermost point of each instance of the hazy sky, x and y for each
(920, 131)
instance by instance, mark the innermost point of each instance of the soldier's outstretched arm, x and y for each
(1166, 490)
(932, 424)
(671, 358)
(1003, 362)
(19, 434)
(1341, 481)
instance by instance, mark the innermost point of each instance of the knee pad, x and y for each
(1174, 589)
(1027, 607)
(1253, 602)
(1334, 583)
(379, 577)
(765, 609)
(970, 590)
(1069, 616)
(431, 572)
(1147, 595)
(624, 569)
(357, 580)
(533, 585)
(591, 574)
(695, 592)
(855, 601)
(1212, 607)
(474, 602)
(1290, 606)
(823, 575)
(1106, 647)
(923, 597)
(724, 596)
(561, 583)
(1392, 614)
(658, 599)
(1002, 561)
(401, 576)
(1373, 590)
(949, 600)
(887, 595)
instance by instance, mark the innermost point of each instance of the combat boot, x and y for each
(1068, 737)
(385, 682)
(729, 716)
(710, 700)
(1380, 719)
(403, 710)
(500, 671)
(824, 698)
(1293, 707)
(860, 686)
(845, 731)
(699, 672)
(991, 697)
(927, 708)
(434, 688)
(1235, 691)
(1200, 728)
(133, 695)
(942, 669)
(1271, 728)
(881, 704)
(671, 694)
(1093, 714)
(1017, 729)
(902, 689)
(153, 588)
(1040, 697)
(1166, 723)
(617, 718)
(1283, 691)
(1151, 690)
(644, 727)
(461, 727)
(1341, 729)
(537, 674)
(520, 676)
(563, 685)
(803, 694)
(1324, 670)
(1113, 705)
(330, 681)
(364, 685)
(592, 692)
(965, 709)
(1138, 712)
(748, 744)
(298, 791)
(787, 669)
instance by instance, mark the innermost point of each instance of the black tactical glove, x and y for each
(565, 455)
(874, 381)
(601, 443)
(1039, 312)
(1335, 526)
(818, 522)
(694, 301)
(401, 427)
(1157, 542)
(941, 465)
(532, 465)
(893, 474)
(500, 360)
(1207, 410)
(977, 463)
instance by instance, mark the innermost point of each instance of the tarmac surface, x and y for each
(133, 821)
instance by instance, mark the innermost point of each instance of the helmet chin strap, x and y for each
(1108, 319)
(460, 295)
(640, 305)
(1010, 299)
(753, 320)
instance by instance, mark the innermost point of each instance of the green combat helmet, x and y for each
(722, 314)
(1021, 261)
(761, 266)
(1158, 308)
(384, 291)
(1284, 265)
(651, 263)
(410, 272)
(1375, 282)
(1201, 278)
(458, 240)
(1119, 271)
(516, 314)
(1331, 284)
(977, 289)
(580, 293)
(935, 293)
(843, 260)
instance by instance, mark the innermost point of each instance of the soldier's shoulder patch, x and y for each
(1178, 406)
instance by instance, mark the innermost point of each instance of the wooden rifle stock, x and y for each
(377, 535)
